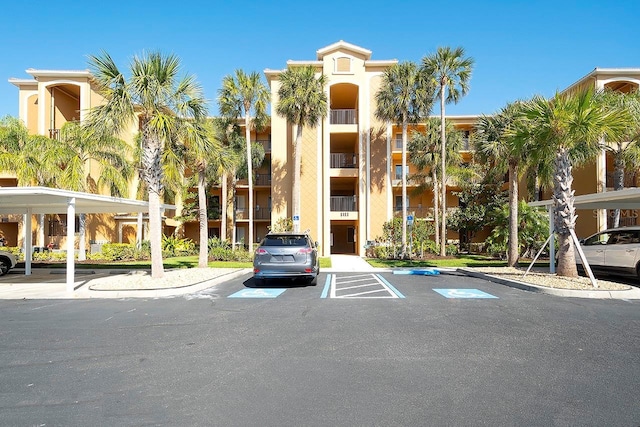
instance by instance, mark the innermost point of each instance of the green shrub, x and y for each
(118, 251)
(227, 254)
(173, 246)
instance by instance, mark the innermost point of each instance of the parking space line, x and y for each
(334, 287)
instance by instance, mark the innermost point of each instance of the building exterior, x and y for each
(351, 162)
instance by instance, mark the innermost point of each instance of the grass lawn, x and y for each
(458, 261)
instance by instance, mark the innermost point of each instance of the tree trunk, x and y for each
(618, 182)
(513, 252)
(203, 258)
(404, 187)
(295, 196)
(152, 175)
(247, 134)
(443, 173)
(436, 204)
(564, 214)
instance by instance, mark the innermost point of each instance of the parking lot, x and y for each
(370, 348)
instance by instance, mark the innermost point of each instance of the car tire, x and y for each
(314, 281)
(4, 267)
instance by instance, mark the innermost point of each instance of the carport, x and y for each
(30, 201)
(628, 198)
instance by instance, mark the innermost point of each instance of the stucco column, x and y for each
(71, 227)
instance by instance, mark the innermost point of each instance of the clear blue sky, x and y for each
(521, 48)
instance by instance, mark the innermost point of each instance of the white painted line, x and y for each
(354, 281)
(357, 286)
(364, 293)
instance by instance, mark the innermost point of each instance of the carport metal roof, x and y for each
(44, 200)
(629, 198)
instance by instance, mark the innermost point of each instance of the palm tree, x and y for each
(242, 94)
(162, 104)
(204, 155)
(567, 128)
(625, 151)
(403, 97)
(494, 143)
(451, 72)
(424, 149)
(303, 102)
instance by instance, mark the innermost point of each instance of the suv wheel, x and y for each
(4, 267)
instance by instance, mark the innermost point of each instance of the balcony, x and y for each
(266, 143)
(343, 204)
(344, 116)
(263, 179)
(630, 179)
(259, 213)
(344, 160)
(54, 134)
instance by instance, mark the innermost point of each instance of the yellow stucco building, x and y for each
(351, 162)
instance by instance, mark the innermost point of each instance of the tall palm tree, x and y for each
(162, 104)
(626, 151)
(203, 154)
(451, 72)
(494, 143)
(567, 128)
(303, 102)
(403, 97)
(244, 93)
(424, 149)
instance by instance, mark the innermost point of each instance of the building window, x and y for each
(343, 65)
(398, 141)
(398, 174)
(58, 226)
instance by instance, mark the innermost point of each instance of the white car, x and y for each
(615, 251)
(7, 262)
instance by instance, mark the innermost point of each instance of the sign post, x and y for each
(296, 223)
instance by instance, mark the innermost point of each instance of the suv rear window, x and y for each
(285, 241)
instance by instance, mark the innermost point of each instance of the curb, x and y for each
(160, 293)
(631, 293)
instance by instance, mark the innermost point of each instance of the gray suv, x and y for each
(286, 255)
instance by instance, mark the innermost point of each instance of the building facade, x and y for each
(351, 168)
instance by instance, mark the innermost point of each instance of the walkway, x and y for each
(348, 263)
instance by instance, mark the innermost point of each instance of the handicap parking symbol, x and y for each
(257, 293)
(463, 293)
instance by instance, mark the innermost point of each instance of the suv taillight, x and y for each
(261, 251)
(305, 251)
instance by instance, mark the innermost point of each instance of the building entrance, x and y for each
(343, 239)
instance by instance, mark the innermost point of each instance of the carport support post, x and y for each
(28, 245)
(71, 227)
(139, 231)
(552, 242)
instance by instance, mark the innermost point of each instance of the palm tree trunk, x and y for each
(564, 214)
(618, 182)
(295, 196)
(443, 172)
(513, 245)
(404, 186)
(436, 204)
(152, 174)
(203, 257)
(247, 133)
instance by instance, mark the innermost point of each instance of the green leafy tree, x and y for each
(532, 229)
(403, 97)
(163, 105)
(496, 145)
(567, 128)
(450, 71)
(303, 102)
(245, 93)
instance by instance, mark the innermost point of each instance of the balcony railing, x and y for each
(343, 204)
(344, 160)
(54, 134)
(258, 213)
(630, 179)
(266, 143)
(263, 179)
(419, 211)
(344, 117)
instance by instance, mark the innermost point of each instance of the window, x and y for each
(343, 65)
(398, 204)
(351, 235)
(398, 174)
(58, 226)
(398, 141)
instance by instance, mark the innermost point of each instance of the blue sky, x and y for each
(521, 48)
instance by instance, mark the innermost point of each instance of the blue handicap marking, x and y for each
(257, 293)
(418, 272)
(463, 293)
